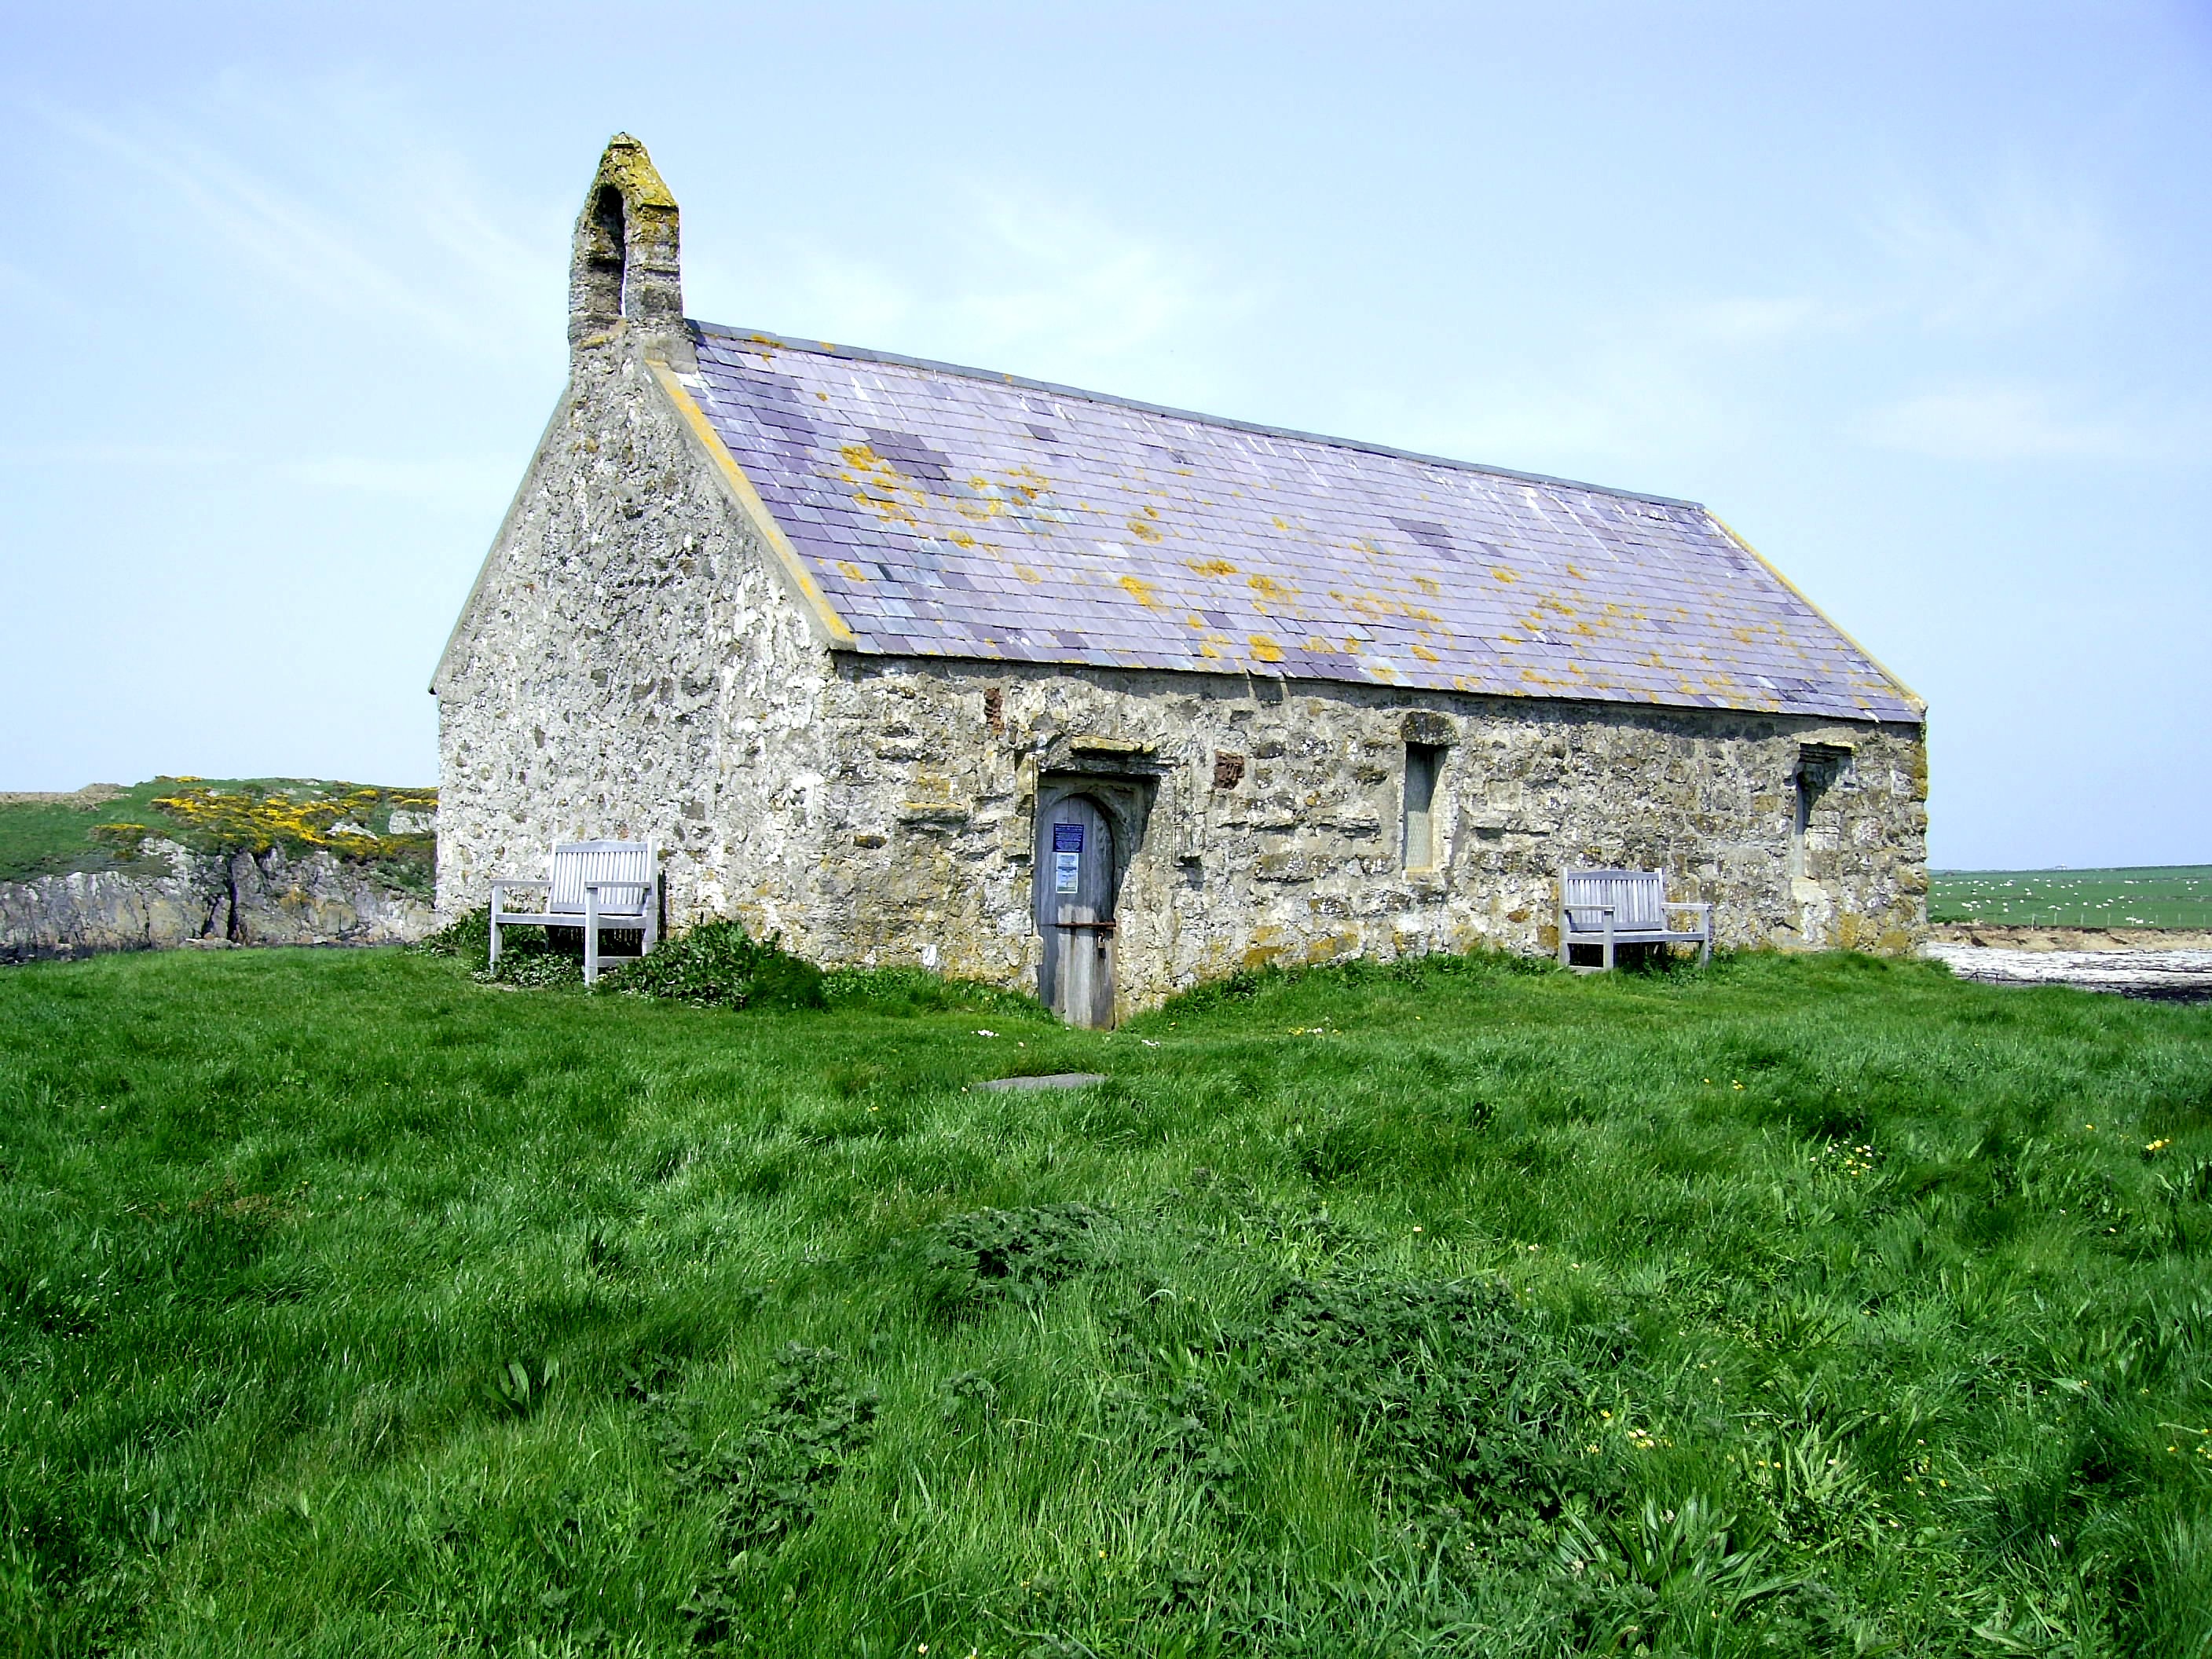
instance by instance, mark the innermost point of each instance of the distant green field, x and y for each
(2152, 896)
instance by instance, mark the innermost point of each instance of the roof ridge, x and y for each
(860, 354)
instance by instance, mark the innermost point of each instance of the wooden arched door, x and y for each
(1076, 879)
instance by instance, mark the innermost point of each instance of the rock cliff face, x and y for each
(267, 898)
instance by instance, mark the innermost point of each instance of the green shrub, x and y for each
(718, 965)
(467, 937)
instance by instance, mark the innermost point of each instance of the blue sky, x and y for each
(1915, 297)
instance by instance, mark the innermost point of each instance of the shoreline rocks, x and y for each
(2015, 937)
(267, 898)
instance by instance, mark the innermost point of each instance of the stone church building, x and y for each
(912, 663)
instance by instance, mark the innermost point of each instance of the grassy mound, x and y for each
(1807, 1306)
(109, 827)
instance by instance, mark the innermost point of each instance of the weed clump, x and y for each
(718, 965)
(975, 1260)
(774, 1480)
(467, 937)
(1466, 1407)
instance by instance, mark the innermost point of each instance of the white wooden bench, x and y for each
(600, 886)
(1602, 909)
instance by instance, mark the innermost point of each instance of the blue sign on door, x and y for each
(1067, 838)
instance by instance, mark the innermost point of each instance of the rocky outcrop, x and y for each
(2010, 937)
(267, 898)
(2170, 974)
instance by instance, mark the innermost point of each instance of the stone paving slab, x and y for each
(1054, 1080)
(2165, 975)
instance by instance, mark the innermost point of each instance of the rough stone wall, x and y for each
(629, 667)
(1295, 854)
(242, 898)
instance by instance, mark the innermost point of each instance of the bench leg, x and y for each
(494, 962)
(1608, 945)
(590, 936)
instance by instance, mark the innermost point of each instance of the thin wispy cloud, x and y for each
(2018, 423)
(1027, 285)
(374, 225)
(2022, 248)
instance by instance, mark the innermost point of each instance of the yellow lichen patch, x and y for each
(847, 567)
(1144, 532)
(1320, 646)
(1281, 523)
(1420, 614)
(1027, 483)
(1211, 567)
(1503, 574)
(1210, 647)
(1269, 591)
(1425, 655)
(961, 539)
(1026, 574)
(878, 485)
(824, 396)
(1140, 592)
(1265, 649)
(1428, 586)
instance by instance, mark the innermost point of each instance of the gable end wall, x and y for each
(631, 666)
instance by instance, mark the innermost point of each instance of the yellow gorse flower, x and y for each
(246, 820)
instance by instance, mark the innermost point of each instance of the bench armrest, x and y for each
(1685, 904)
(501, 884)
(594, 886)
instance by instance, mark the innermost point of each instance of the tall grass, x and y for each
(1797, 1306)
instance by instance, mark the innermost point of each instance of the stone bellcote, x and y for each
(626, 275)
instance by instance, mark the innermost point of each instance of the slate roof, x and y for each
(950, 511)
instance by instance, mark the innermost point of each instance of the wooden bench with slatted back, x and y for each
(600, 886)
(1602, 909)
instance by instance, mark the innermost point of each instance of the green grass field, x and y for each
(1799, 1306)
(2167, 896)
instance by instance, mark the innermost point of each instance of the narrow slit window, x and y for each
(1801, 820)
(1424, 762)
